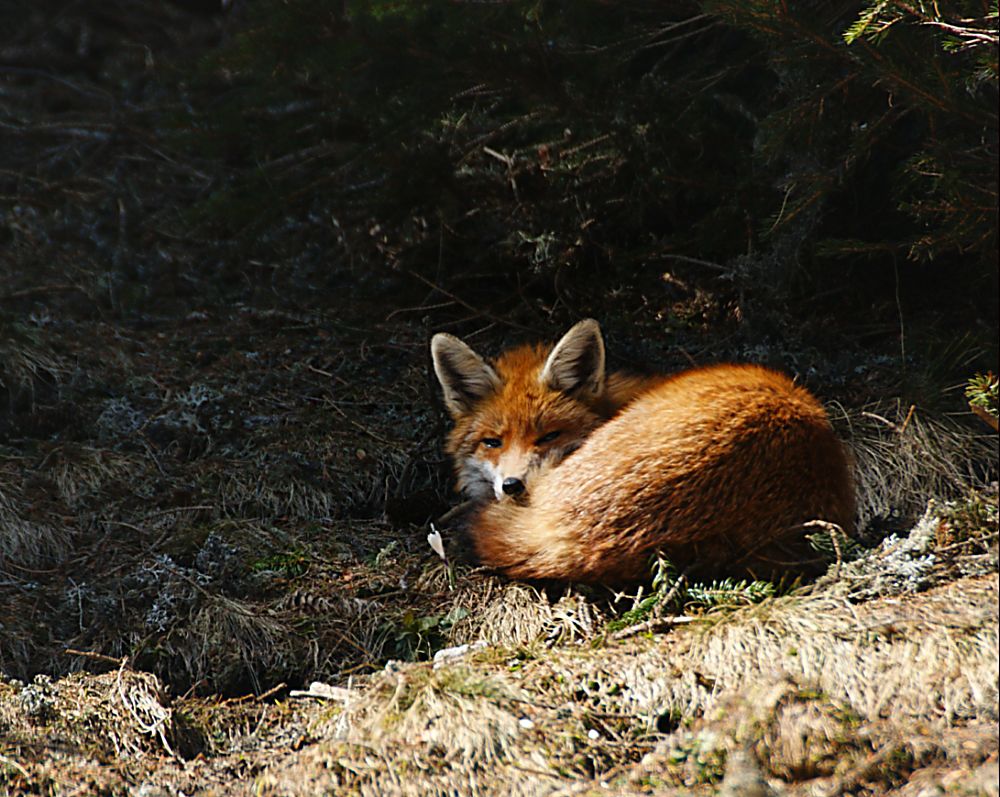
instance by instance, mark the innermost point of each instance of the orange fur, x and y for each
(718, 468)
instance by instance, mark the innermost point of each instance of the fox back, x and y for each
(721, 469)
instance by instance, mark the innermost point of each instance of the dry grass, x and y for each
(24, 542)
(511, 614)
(933, 657)
(814, 692)
(811, 693)
(121, 713)
(903, 458)
(812, 686)
(218, 451)
(234, 642)
(81, 473)
(25, 365)
(262, 490)
(455, 712)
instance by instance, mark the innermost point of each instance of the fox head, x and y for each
(526, 410)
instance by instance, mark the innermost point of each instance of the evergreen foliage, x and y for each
(892, 113)
(789, 147)
(673, 592)
(729, 592)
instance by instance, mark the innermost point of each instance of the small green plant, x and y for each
(417, 636)
(982, 393)
(967, 526)
(290, 564)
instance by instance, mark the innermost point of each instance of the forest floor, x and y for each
(217, 471)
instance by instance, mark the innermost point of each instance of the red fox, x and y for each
(584, 476)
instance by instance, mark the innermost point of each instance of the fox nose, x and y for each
(512, 486)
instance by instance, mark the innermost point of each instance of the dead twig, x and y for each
(909, 415)
(836, 532)
(658, 622)
(984, 416)
(324, 691)
(257, 698)
(897, 428)
(90, 654)
(455, 511)
(696, 261)
(41, 290)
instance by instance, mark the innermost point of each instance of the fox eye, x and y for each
(547, 438)
(492, 442)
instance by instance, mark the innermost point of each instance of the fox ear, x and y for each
(464, 376)
(577, 361)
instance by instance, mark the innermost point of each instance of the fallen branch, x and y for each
(90, 654)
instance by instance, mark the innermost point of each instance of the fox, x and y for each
(579, 475)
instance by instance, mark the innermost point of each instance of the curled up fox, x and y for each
(580, 475)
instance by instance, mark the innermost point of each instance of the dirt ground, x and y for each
(219, 453)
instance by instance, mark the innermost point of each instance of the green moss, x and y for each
(289, 564)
